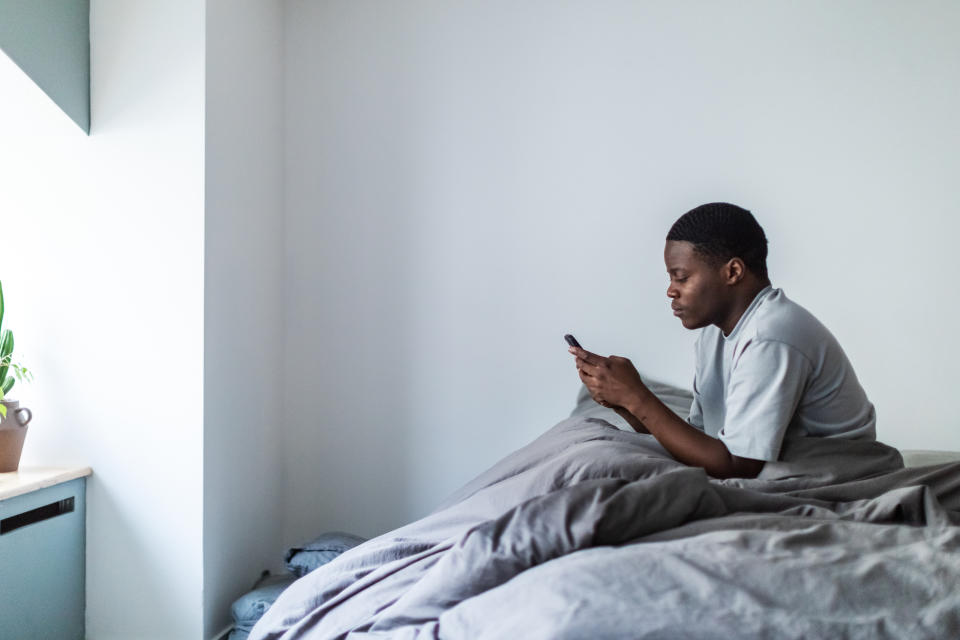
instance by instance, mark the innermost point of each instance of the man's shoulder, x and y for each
(780, 319)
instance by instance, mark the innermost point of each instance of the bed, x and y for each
(594, 531)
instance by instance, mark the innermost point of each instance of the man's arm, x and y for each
(688, 444)
(614, 382)
(632, 419)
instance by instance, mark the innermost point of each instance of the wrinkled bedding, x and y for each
(594, 532)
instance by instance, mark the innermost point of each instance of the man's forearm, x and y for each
(632, 419)
(686, 443)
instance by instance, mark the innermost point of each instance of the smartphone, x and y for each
(572, 341)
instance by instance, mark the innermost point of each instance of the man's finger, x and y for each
(586, 356)
(579, 364)
(586, 367)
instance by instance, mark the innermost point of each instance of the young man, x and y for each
(765, 366)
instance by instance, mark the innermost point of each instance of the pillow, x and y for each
(305, 558)
(250, 607)
(676, 398)
(921, 458)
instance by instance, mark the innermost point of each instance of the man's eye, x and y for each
(683, 279)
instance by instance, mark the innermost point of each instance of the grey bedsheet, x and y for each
(595, 532)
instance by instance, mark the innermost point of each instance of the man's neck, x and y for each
(742, 301)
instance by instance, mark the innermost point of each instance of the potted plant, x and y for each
(13, 417)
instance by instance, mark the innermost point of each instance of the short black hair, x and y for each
(720, 231)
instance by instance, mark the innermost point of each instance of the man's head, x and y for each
(716, 257)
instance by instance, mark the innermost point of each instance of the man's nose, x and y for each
(671, 292)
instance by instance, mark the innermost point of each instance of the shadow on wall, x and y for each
(50, 41)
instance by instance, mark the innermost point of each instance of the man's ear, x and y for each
(734, 271)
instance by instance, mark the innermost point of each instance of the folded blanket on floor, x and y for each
(591, 531)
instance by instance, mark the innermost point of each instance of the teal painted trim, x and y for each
(50, 41)
(43, 567)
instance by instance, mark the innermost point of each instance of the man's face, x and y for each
(697, 291)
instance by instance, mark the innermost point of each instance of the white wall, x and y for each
(467, 182)
(101, 256)
(243, 301)
(463, 184)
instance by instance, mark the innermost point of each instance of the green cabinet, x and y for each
(42, 558)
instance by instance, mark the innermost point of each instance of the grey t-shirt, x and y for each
(780, 370)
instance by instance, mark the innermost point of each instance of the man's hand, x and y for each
(612, 382)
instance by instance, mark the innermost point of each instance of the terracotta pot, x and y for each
(13, 430)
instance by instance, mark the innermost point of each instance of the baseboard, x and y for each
(223, 633)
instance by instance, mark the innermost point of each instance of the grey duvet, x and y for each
(595, 532)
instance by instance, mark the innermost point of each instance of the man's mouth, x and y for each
(677, 310)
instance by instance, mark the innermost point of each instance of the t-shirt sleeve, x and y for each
(766, 384)
(695, 418)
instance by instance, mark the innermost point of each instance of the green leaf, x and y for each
(7, 385)
(3, 411)
(6, 348)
